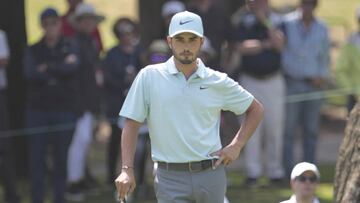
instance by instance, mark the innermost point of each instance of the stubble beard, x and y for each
(185, 60)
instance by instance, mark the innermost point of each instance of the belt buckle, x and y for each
(193, 170)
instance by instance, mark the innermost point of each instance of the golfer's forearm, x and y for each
(252, 119)
(128, 142)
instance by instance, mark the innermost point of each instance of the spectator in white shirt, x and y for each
(304, 180)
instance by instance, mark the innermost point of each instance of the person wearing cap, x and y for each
(348, 66)
(7, 170)
(158, 52)
(260, 41)
(121, 64)
(69, 28)
(50, 68)
(90, 81)
(306, 61)
(304, 179)
(181, 100)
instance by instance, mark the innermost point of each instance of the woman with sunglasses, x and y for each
(121, 64)
(304, 179)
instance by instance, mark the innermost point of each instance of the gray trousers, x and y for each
(271, 93)
(208, 186)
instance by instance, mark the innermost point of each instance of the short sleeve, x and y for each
(236, 98)
(136, 104)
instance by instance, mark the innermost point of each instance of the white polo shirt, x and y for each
(183, 116)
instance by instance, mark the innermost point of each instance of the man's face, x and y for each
(87, 24)
(308, 7)
(51, 26)
(305, 184)
(185, 47)
(126, 33)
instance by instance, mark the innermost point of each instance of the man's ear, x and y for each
(292, 184)
(168, 39)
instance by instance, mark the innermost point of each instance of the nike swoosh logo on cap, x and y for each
(184, 22)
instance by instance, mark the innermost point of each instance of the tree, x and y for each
(12, 21)
(347, 176)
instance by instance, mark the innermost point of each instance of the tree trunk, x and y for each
(12, 21)
(347, 176)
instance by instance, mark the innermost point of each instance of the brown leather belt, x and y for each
(189, 166)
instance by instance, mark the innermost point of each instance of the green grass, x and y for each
(236, 191)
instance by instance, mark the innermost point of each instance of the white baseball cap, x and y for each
(186, 22)
(86, 10)
(300, 168)
(172, 7)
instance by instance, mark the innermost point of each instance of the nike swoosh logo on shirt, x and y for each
(203, 87)
(184, 22)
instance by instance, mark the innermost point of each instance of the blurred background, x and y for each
(21, 22)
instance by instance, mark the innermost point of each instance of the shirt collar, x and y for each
(170, 65)
(200, 71)
(201, 68)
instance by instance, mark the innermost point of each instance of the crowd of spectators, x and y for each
(72, 79)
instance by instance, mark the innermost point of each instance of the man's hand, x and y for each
(250, 47)
(70, 59)
(227, 155)
(125, 183)
(252, 119)
(317, 82)
(277, 39)
(42, 68)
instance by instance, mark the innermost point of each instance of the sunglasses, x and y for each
(303, 179)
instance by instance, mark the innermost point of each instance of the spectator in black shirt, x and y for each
(50, 69)
(260, 42)
(121, 65)
(90, 80)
